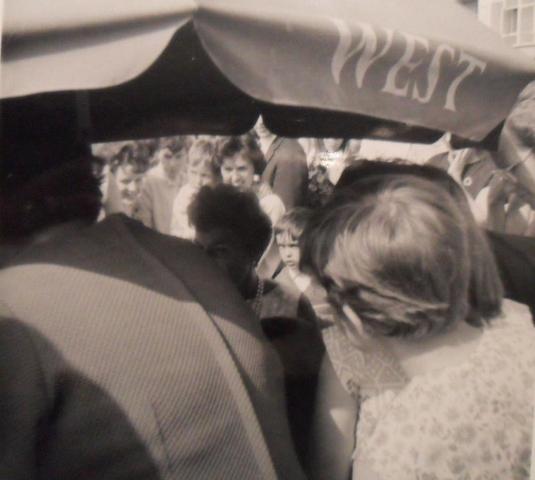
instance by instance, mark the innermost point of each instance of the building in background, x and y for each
(514, 20)
(469, 4)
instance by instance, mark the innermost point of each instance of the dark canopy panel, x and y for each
(183, 92)
(116, 70)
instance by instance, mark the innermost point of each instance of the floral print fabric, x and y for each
(362, 374)
(471, 421)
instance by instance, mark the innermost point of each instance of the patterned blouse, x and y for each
(470, 421)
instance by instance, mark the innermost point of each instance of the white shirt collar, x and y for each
(301, 280)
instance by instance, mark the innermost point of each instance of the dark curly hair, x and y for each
(45, 185)
(67, 193)
(245, 145)
(225, 207)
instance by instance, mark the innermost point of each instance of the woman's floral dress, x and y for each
(470, 421)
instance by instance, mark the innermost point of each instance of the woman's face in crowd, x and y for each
(238, 172)
(333, 144)
(226, 250)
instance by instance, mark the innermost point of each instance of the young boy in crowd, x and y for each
(287, 231)
(162, 183)
(201, 171)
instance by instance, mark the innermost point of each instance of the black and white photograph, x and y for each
(280, 240)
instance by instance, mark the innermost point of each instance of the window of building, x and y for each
(526, 23)
(510, 25)
(515, 20)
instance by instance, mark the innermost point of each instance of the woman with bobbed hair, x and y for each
(241, 163)
(514, 255)
(485, 284)
(442, 383)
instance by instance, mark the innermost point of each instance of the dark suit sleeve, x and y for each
(291, 178)
(515, 257)
(23, 402)
(55, 423)
(300, 347)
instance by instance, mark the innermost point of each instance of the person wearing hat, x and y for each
(472, 169)
(516, 146)
(511, 197)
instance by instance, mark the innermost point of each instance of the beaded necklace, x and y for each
(257, 303)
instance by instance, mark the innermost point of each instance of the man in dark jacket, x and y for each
(118, 357)
(286, 171)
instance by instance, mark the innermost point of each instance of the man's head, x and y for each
(169, 162)
(516, 146)
(232, 228)
(46, 183)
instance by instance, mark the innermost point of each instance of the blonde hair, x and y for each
(292, 223)
(486, 289)
(203, 153)
(400, 257)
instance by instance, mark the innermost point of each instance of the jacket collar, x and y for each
(275, 144)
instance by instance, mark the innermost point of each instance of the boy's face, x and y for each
(289, 251)
(200, 175)
(171, 162)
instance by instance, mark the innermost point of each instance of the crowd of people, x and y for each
(156, 186)
(263, 307)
